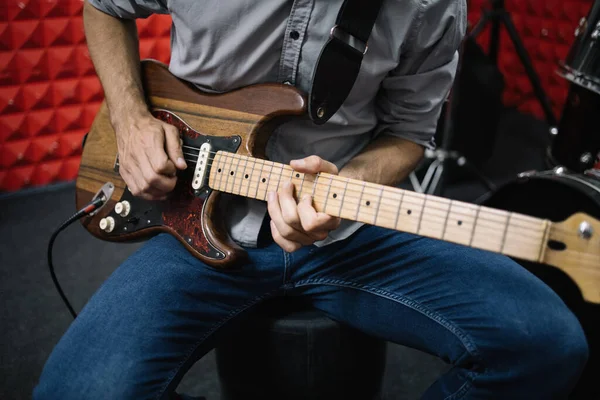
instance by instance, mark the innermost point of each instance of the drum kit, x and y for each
(572, 182)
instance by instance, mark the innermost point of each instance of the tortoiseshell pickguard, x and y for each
(183, 210)
(183, 213)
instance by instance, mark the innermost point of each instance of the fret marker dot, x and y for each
(219, 170)
(246, 176)
(231, 172)
(409, 212)
(334, 195)
(297, 175)
(368, 203)
(263, 180)
(459, 222)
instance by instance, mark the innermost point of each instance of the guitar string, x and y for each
(593, 258)
(437, 220)
(520, 218)
(343, 181)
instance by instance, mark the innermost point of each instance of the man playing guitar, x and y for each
(506, 333)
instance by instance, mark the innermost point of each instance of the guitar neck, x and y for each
(512, 234)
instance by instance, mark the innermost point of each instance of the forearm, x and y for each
(113, 46)
(387, 160)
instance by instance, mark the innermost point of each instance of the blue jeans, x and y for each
(507, 334)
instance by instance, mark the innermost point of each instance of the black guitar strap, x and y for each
(340, 59)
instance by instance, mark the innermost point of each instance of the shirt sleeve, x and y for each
(411, 96)
(130, 9)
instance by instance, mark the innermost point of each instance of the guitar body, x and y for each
(224, 138)
(237, 122)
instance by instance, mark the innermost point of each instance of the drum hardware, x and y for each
(499, 15)
(444, 157)
(576, 144)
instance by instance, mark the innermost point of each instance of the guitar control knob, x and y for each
(123, 208)
(107, 224)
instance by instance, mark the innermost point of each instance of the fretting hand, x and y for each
(296, 224)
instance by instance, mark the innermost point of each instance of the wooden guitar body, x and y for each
(237, 122)
(224, 138)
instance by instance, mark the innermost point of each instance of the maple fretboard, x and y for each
(512, 234)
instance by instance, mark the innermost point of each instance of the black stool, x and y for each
(290, 351)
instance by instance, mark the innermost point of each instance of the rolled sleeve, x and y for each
(411, 96)
(130, 9)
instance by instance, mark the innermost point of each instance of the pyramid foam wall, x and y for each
(49, 92)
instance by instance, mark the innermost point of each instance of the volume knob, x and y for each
(107, 224)
(123, 208)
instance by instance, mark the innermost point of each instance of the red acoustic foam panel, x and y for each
(547, 29)
(49, 91)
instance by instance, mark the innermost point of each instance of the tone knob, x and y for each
(123, 208)
(107, 224)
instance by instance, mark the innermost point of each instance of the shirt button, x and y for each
(294, 35)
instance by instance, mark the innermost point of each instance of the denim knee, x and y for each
(552, 349)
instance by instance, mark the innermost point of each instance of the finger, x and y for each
(153, 182)
(313, 221)
(284, 243)
(284, 229)
(313, 164)
(155, 153)
(173, 146)
(289, 208)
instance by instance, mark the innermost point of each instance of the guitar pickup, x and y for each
(201, 166)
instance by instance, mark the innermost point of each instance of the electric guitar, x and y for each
(224, 137)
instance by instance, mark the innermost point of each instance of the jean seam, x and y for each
(460, 392)
(193, 348)
(467, 343)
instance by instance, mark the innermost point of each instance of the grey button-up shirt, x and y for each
(404, 79)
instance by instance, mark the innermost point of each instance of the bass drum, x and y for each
(555, 195)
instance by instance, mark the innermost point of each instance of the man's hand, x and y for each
(296, 225)
(149, 156)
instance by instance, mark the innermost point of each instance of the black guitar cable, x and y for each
(87, 210)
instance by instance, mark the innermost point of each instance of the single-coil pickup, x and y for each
(201, 166)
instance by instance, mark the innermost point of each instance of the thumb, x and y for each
(313, 164)
(173, 146)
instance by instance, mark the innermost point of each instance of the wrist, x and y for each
(123, 116)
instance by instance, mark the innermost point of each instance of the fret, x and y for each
(260, 172)
(399, 209)
(279, 178)
(301, 187)
(251, 179)
(238, 186)
(220, 174)
(378, 205)
(489, 230)
(544, 240)
(446, 220)
(315, 185)
(362, 192)
(504, 233)
(232, 174)
(327, 194)
(474, 226)
(343, 197)
(421, 216)
(268, 180)
(291, 180)
(225, 172)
